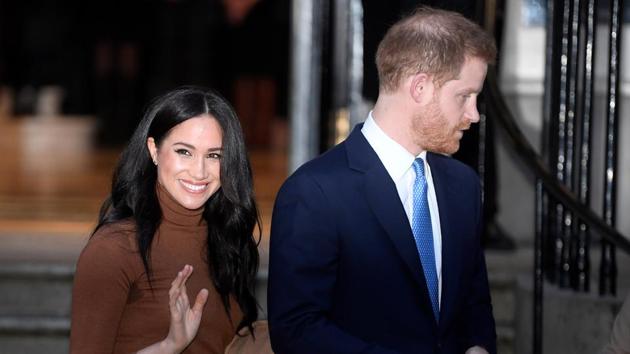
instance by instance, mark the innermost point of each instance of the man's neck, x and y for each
(392, 114)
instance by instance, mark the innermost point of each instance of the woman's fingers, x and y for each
(178, 297)
(184, 319)
(182, 276)
(200, 301)
(187, 271)
(179, 279)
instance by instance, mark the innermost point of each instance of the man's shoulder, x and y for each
(325, 171)
(452, 166)
(333, 161)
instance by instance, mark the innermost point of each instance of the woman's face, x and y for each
(189, 160)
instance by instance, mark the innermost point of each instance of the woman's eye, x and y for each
(183, 152)
(214, 155)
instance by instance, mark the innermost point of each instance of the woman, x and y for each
(181, 194)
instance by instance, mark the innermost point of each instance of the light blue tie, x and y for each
(423, 233)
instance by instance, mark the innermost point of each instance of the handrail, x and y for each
(496, 104)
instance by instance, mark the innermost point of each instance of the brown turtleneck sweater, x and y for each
(113, 307)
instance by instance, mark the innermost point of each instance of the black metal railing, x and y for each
(564, 219)
(497, 107)
(608, 269)
(568, 113)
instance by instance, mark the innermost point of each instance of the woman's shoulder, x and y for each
(116, 234)
(109, 257)
(112, 240)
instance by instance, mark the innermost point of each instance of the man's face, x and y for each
(440, 124)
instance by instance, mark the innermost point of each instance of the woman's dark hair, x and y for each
(231, 212)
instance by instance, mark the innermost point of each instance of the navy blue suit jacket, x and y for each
(344, 272)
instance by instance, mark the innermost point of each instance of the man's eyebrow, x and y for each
(469, 90)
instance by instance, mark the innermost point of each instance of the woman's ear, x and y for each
(152, 149)
(421, 88)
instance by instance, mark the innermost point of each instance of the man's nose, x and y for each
(472, 113)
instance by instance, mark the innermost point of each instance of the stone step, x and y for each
(505, 339)
(502, 291)
(577, 323)
(30, 335)
(26, 325)
(35, 300)
(41, 290)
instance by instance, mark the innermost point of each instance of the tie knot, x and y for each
(418, 167)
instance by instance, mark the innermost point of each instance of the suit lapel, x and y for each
(384, 201)
(450, 251)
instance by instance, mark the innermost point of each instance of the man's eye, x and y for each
(183, 152)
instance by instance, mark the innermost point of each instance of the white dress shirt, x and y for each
(398, 163)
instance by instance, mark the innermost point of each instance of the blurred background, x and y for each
(75, 77)
(109, 58)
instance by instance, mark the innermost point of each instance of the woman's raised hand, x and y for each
(184, 319)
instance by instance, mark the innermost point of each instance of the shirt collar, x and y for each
(396, 159)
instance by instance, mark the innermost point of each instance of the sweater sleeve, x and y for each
(102, 282)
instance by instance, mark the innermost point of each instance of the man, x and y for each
(375, 245)
(377, 17)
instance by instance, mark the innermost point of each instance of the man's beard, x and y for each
(432, 131)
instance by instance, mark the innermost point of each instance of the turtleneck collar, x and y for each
(175, 213)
